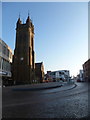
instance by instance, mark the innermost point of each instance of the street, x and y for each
(50, 103)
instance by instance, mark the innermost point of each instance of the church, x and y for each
(23, 67)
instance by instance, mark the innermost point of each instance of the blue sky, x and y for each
(61, 32)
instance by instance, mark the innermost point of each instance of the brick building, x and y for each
(39, 72)
(86, 70)
(23, 60)
(25, 70)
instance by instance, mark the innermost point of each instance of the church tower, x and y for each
(23, 59)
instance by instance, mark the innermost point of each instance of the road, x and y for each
(50, 103)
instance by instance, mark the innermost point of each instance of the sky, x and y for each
(61, 32)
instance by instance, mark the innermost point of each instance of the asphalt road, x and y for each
(50, 103)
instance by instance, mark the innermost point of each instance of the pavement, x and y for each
(42, 86)
(67, 101)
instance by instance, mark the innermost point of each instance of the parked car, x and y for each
(78, 80)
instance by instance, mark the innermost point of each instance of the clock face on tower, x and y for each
(21, 58)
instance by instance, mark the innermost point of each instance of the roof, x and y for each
(87, 61)
(60, 71)
(38, 64)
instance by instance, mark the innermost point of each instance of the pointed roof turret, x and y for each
(19, 21)
(28, 19)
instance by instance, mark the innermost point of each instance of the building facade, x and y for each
(86, 70)
(63, 75)
(24, 60)
(80, 76)
(39, 72)
(5, 62)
